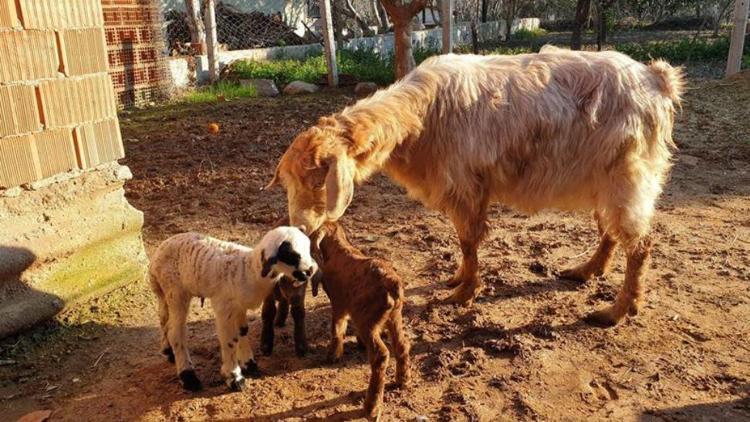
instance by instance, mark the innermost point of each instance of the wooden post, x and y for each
(446, 17)
(329, 43)
(212, 42)
(734, 61)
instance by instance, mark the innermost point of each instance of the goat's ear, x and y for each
(339, 187)
(266, 263)
(316, 279)
(275, 180)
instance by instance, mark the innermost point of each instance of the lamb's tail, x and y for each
(671, 80)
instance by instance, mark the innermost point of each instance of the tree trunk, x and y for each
(582, 15)
(737, 41)
(352, 13)
(474, 37)
(401, 15)
(402, 40)
(196, 27)
(375, 10)
(485, 6)
(723, 8)
(510, 15)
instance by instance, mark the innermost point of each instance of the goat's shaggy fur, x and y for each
(557, 129)
(235, 278)
(370, 293)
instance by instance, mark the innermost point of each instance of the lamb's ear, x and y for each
(267, 264)
(339, 187)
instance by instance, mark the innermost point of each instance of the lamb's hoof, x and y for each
(300, 351)
(604, 318)
(169, 353)
(576, 274)
(266, 349)
(190, 380)
(236, 384)
(251, 370)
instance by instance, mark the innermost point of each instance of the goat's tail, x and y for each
(671, 79)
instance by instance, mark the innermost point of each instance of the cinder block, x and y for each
(27, 55)
(18, 161)
(83, 51)
(61, 14)
(56, 151)
(8, 14)
(19, 112)
(98, 143)
(73, 101)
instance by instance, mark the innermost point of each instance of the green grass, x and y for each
(685, 50)
(528, 34)
(365, 65)
(214, 93)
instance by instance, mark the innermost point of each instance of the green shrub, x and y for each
(524, 34)
(684, 50)
(211, 94)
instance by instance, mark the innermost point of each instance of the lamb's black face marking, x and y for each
(288, 255)
(243, 330)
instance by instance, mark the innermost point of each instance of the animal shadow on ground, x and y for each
(735, 410)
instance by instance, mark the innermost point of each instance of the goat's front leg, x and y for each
(267, 333)
(298, 314)
(245, 357)
(471, 226)
(338, 329)
(229, 337)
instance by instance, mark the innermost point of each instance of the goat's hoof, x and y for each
(266, 349)
(301, 351)
(372, 411)
(236, 384)
(453, 282)
(604, 318)
(251, 370)
(190, 380)
(169, 353)
(463, 295)
(578, 274)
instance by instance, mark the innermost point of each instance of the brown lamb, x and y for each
(370, 293)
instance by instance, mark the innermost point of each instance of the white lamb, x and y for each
(235, 278)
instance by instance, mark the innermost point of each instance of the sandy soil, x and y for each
(520, 353)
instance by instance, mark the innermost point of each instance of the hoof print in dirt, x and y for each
(600, 319)
(190, 381)
(251, 370)
(236, 384)
(169, 354)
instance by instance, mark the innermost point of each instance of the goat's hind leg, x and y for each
(377, 353)
(401, 348)
(471, 226)
(599, 262)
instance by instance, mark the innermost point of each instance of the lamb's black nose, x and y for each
(299, 275)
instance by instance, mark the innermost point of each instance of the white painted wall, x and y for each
(383, 44)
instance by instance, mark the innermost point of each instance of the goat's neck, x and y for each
(379, 125)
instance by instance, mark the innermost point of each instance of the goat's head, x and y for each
(286, 251)
(318, 175)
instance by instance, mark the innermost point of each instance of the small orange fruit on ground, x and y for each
(213, 128)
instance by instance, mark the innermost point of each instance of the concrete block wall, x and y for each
(54, 85)
(135, 51)
(66, 230)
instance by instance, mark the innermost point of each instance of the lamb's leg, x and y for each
(401, 347)
(267, 334)
(377, 353)
(338, 329)
(298, 314)
(226, 327)
(166, 349)
(177, 333)
(282, 312)
(471, 226)
(599, 263)
(245, 357)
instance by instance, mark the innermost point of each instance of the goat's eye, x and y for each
(308, 271)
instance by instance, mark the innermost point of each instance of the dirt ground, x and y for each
(520, 352)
